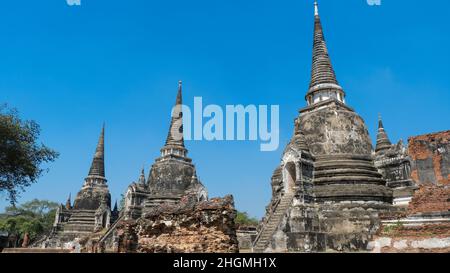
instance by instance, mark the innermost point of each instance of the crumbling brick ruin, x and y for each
(431, 158)
(187, 227)
(170, 211)
(423, 227)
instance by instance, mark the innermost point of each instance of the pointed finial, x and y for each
(175, 134)
(115, 206)
(380, 121)
(69, 202)
(98, 163)
(179, 100)
(383, 142)
(142, 176)
(316, 8)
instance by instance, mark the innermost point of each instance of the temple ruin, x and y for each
(91, 210)
(171, 208)
(327, 193)
(332, 191)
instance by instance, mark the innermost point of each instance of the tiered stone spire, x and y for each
(175, 142)
(115, 206)
(69, 202)
(142, 177)
(98, 163)
(300, 142)
(97, 170)
(299, 138)
(383, 142)
(323, 85)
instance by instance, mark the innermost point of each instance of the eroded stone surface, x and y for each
(186, 227)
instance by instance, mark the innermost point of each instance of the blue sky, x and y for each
(72, 67)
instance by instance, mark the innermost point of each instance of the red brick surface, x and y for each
(430, 198)
(424, 147)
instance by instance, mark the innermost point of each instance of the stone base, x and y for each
(327, 228)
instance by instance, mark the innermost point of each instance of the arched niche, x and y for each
(289, 176)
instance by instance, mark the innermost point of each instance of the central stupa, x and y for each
(327, 193)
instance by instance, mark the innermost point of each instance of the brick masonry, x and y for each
(431, 158)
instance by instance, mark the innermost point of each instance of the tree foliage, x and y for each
(243, 219)
(21, 156)
(34, 217)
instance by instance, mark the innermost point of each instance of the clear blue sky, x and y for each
(71, 68)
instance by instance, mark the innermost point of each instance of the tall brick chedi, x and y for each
(170, 210)
(172, 176)
(91, 210)
(327, 193)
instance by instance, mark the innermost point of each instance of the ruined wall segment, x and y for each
(423, 228)
(430, 199)
(187, 227)
(431, 158)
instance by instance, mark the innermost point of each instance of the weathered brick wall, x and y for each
(430, 198)
(185, 228)
(433, 238)
(431, 158)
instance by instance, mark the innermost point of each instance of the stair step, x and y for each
(272, 224)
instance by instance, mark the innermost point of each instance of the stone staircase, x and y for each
(81, 221)
(269, 228)
(111, 229)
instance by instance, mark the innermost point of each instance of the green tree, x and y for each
(21, 155)
(34, 217)
(243, 219)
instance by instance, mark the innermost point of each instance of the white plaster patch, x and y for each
(431, 243)
(384, 242)
(401, 244)
(371, 246)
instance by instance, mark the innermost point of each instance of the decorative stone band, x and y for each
(95, 180)
(324, 104)
(324, 86)
(176, 150)
(325, 91)
(417, 221)
(391, 161)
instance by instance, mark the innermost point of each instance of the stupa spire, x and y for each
(69, 202)
(98, 163)
(323, 84)
(175, 135)
(174, 146)
(142, 177)
(115, 206)
(383, 142)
